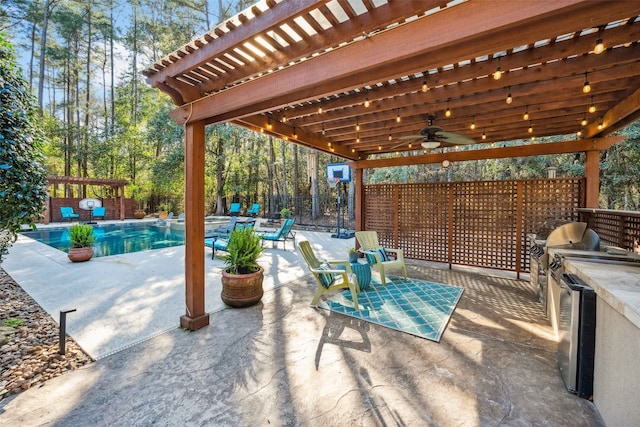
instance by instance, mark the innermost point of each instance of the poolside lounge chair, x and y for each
(377, 256)
(226, 229)
(68, 213)
(99, 212)
(255, 210)
(328, 277)
(282, 235)
(216, 243)
(234, 209)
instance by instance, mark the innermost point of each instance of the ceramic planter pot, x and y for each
(80, 254)
(242, 290)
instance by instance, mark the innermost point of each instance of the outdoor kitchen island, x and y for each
(616, 384)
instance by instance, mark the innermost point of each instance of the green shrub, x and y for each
(244, 249)
(23, 180)
(81, 236)
(285, 213)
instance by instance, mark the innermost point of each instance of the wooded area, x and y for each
(83, 60)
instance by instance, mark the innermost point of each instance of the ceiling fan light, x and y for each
(599, 47)
(430, 145)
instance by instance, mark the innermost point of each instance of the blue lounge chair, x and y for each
(234, 209)
(216, 244)
(255, 210)
(99, 212)
(68, 213)
(282, 235)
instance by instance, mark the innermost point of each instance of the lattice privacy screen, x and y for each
(482, 223)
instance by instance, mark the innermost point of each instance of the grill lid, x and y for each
(574, 235)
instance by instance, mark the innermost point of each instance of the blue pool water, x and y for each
(114, 239)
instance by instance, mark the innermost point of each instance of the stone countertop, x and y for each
(618, 285)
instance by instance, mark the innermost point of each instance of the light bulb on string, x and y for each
(599, 47)
(592, 107)
(586, 88)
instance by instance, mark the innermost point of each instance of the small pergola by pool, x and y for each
(351, 78)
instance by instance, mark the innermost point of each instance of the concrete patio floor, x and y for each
(283, 362)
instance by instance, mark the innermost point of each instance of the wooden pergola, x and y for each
(116, 184)
(353, 77)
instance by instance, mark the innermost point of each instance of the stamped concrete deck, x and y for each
(282, 362)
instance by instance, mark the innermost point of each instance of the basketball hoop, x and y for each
(333, 182)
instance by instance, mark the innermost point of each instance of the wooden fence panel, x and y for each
(483, 223)
(423, 221)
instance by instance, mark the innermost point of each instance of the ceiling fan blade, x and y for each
(454, 138)
(411, 137)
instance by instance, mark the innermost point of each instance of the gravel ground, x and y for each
(29, 342)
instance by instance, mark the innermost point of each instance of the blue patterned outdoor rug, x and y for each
(412, 306)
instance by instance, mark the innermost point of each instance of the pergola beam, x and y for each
(598, 144)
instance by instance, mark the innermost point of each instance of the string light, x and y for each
(425, 87)
(600, 125)
(484, 135)
(509, 99)
(353, 150)
(447, 113)
(586, 88)
(295, 133)
(269, 125)
(498, 73)
(320, 109)
(284, 118)
(583, 122)
(592, 107)
(357, 125)
(366, 103)
(599, 47)
(526, 113)
(530, 130)
(323, 131)
(473, 123)
(410, 145)
(579, 133)
(398, 117)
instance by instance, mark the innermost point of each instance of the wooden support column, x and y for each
(592, 175)
(121, 194)
(359, 186)
(195, 317)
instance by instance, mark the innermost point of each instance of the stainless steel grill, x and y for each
(574, 235)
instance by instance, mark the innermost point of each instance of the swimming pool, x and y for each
(114, 239)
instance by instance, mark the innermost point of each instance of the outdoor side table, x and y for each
(363, 273)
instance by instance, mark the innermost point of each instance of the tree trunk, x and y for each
(43, 48)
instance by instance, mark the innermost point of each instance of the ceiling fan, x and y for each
(433, 137)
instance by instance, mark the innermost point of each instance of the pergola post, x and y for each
(195, 317)
(359, 202)
(592, 175)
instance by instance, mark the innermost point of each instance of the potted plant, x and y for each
(353, 255)
(81, 238)
(163, 212)
(285, 213)
(242, 278)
